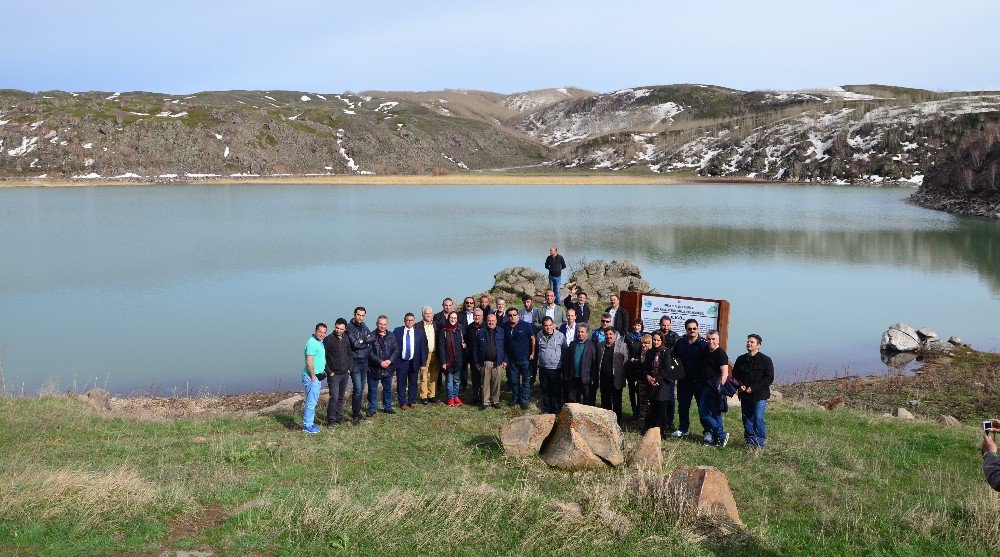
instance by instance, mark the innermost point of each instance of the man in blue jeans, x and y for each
(689, 350)
(555, 265)
(716, 371)
(360, 336)
(755, 372)
(383, 357)
(519, 347)
(311, 380)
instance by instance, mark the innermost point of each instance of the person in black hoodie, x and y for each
(338, 369)
(755, 373)
(662, 371)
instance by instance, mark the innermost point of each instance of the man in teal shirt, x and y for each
(311, 377)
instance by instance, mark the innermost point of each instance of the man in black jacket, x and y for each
(382, 361)
(619, 316)
(360, 336)
(755, 373)
(338, 369)
(579, 374)
(555, 265)
(469, 338)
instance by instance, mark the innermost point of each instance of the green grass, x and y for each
(434, 481)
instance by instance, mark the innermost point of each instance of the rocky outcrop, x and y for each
(706, 490)
(602, 279)
(967, 182)
(901, 338)
(524, 435)
(583, 433)
(519, 282)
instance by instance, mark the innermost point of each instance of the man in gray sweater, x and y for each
(991, 463)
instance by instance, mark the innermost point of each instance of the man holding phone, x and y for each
(991, 463)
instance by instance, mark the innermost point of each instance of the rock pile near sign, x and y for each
(599, 279)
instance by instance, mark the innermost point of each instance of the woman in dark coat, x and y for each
(449, 349)
(662, 372)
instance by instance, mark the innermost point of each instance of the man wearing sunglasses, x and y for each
(689, 351)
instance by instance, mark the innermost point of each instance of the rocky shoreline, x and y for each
(956, 204)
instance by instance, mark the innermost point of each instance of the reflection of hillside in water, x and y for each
(971, 244)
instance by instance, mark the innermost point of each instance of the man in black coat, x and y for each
(338, 370)
(382, 361)
(469, 338)
(755, 373)
(619, 316)
(555, 264)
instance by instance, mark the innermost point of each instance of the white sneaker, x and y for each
(679, 433)
(725, 440)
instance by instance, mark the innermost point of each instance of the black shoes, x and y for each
(390, 411)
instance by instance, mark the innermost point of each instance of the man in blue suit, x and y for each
(412, 351)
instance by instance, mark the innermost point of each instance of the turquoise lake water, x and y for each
(188, 288)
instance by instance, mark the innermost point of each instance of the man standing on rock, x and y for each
(360, 336)
(338, 370)
(619, 316)
(382, 361)
(579, 378)
(315, 364)
(519, 345)
(610, 358)
(555, 265)
(714, 374)
(551, 345)
(490, 360)
(411, 356)
(469, 338)
(431, 367)
(755, 372)
(553, 309)
(690, 352)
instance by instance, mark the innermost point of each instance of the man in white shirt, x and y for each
(553, 310)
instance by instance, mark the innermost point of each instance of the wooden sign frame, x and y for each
(632, 302)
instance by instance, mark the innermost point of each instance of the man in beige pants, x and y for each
(427, 379)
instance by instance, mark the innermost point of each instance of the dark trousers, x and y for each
(517, 381)
(686, 392)
(575, 390)
(406, 382)
(359, 376)
(338, 386)
(611, 398)
(373, 382)
(551, 380)
(533, 370)
(469, 372)
(660, 414)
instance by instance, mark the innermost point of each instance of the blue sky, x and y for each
(184, 46)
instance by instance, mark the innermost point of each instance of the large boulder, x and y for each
(900, 338)
(521, 281)
(602, 279)
(705, 489)
(581, 431)
(648, 454)
(524, 435)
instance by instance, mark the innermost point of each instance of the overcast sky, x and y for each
(185, 46)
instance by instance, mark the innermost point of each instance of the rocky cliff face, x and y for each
(968, 182)
(854, 134)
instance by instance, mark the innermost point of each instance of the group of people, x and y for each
(553, 344)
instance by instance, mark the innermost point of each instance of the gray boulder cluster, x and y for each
(901, 342)
(597, 278)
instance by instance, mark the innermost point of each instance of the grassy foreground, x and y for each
(434, 481)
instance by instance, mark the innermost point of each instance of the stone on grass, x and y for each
(286, 405)
(903, 413)
(949, 421)
(835, 403)
(955, 341)
(939, 346)
(900, 338)
(648, 454)
(98, 399)
(705, 489)
(927, 334)
(584, 433)
(524, 435)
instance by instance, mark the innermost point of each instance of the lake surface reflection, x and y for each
(175, 288)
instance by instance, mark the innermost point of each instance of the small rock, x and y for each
(572, 509)
(648, 454)
(927, 334)
(200, 439)
(835, 403)
(950, 421)
(955, 341)
(287, 405)
(524, 435)
(776, 395)
(705, 489)
(939, 346)
(886, 415)
(903, 413)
